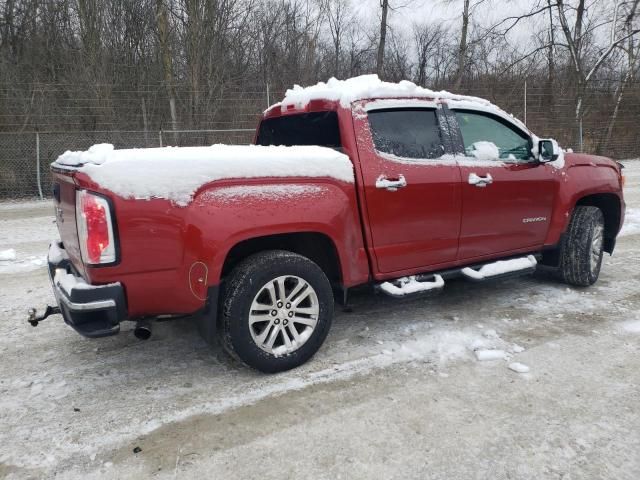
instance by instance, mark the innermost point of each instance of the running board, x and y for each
(430, 283)
(501, 269)
(412, 286)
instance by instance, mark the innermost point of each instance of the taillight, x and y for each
(95, 232)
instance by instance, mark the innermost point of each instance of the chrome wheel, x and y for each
(283, 315)
(596, 247)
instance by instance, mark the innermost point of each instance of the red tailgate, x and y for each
(64, 199)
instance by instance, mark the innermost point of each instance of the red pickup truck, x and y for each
(349, 183)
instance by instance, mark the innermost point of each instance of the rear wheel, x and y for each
(277, 310)
(583, 247)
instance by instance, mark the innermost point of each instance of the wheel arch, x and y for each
(316, 246)
(609, 204)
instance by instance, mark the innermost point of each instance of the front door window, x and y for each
(487, 138)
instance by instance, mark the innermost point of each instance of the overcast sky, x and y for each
(448, 12)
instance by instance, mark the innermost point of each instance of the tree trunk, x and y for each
(551, 62)
(579, 112)
(383, 37)
(145, 123)
(604, 145)
(462, 48)
(167, 61)
(194, 34)
(631, 59)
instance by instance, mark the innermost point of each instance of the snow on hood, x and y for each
(175, 173)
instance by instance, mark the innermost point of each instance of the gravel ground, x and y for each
(397, 390)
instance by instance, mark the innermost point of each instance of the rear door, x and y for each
(411, 184)
(507, 196)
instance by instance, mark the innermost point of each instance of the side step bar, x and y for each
(501, 269)
(413, 285)
(434, 282)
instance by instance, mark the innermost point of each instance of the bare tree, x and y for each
(463, 46)
(384, 4)
(583, 70)
(167, 60)
(338, 17)
(632, 50)
(427, 39)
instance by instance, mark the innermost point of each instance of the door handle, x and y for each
(391, 184)
(480, 181)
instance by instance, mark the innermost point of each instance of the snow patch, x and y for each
(56, 254)
(96, 154)
(175, 173)
(631, 222)
(263, 192)
(485, 150)
(69, 282)
(519, 367)
(7, 255)
(26, 264)
(410, 285)
(484, 355)
(632, 326)
(16, 205)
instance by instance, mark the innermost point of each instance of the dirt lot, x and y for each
(396, 392)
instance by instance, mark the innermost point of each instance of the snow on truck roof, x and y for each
(370, 87)
(366, 87)
(176, 173)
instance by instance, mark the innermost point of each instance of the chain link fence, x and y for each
(25, 157)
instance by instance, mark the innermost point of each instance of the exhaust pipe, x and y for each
(142, 331)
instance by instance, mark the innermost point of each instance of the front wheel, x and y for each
(277, 310)
(583, 247)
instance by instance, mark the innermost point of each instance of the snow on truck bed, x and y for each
(175, 173)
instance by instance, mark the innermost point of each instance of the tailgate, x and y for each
(64, 199)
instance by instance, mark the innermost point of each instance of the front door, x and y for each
(412, 192)
(507, 196)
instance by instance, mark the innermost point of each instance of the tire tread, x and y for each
(576, 249)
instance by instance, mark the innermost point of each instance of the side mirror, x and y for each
(548, 150)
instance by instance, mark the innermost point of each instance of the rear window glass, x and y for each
(314, 128)
(409, 133)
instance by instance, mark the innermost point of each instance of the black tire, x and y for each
(576, 266)
(243, 285)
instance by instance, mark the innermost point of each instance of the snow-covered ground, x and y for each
(520, 379)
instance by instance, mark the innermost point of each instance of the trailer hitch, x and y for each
(34, 318)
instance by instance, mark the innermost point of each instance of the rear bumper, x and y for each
(91, 310)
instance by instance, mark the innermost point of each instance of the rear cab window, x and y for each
(313, 128)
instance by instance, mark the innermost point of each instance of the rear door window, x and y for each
(407, 133)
